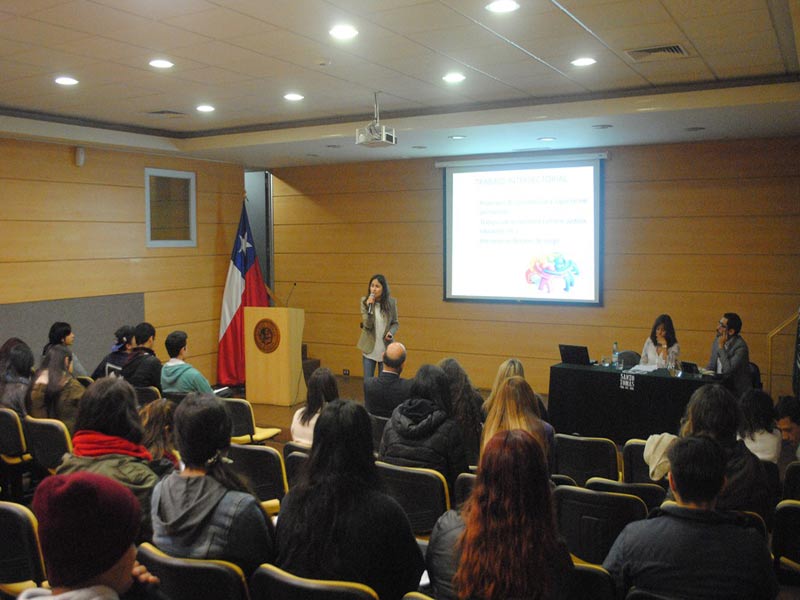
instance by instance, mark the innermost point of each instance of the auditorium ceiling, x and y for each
(665, 71)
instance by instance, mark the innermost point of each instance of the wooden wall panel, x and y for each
(71, 232)
(693, 230)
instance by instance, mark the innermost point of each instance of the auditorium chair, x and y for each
(294, 463)
(48, 441)
(592, 582)
(650, 493)
(192, 578)
(786, 536)
(262, 467)
(269, 582)
(791, 481)
(422, 493)
(14, 455)
(245, 430)
(21, 564)
(585, 457)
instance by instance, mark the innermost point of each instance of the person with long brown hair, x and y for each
(322, 388)
(505, 542)
(515, 407)
(55, 393)
(466, 401)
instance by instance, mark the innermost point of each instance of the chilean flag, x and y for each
(244, 287)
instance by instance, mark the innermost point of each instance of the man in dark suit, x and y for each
(730, 356)
(384, 392)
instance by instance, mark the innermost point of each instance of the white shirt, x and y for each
(650, 354)
(304, 434)
(766, 446)
(380, 328)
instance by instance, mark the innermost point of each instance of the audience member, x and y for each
(467, 407)
(515, 407)
(712, 411)
(757, 427)
(88, 524)
(505, 542)
(510, 368)
(661, 349)
(61, 334)
(384, 393)
(205, 511)
(422, 431)
(691, 550)
(143, 368)
(787, 413)
(16, 364)
(322, 388)
(730, 356)
(335, 523)
(158, 426)
(178, 375)
(55, 393)
(119, 355)
(108, 441)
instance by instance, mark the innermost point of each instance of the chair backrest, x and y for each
(145, 395)
(268, 582)
(294, 463)
(559, 479)
(422, 493)
(791, 481)
(21, 562)
(378, 425)
(590, 521)
(592, 582)
(243, 422)
(262, 467)
(786, 534)
(190, 578)
(84, 380)
(48, 441)
(463, 488)
(585, 457)
(417, 596)
(176, 397)
(12, 439)
(634, 468)
(651, 494)
(290, 447)
(629, 358)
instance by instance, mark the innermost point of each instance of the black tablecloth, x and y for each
(604, 402)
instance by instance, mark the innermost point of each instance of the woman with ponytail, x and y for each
(55, 393)
(206, 511)
(505, 543)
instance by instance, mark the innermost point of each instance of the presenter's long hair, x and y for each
(331, 487)
(384, 301)
(510, 537)
(322, 388)
(669, 330)
(515, 407)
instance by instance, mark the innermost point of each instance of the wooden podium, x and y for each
(273, 340)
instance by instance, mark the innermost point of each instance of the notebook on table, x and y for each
(574, 355)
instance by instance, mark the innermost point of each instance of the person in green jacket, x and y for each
(178, 375)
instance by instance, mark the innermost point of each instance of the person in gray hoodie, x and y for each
(205, 511)
(178, 375)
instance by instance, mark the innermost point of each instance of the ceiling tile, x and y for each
(26, 7)
(157, 36)
(687, 9)
(22, 29)
(420, 17)
(613, 15)
(159, 9)
(82, 15)
(728, 26)
(211, 75)
(221, 23)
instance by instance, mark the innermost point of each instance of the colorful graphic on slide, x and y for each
(543, 270)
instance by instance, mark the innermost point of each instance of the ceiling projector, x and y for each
(376, 135)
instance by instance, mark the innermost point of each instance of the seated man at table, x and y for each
(787, 413)
(730, 356)
(691, 550)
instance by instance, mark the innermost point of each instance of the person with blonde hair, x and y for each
(509, 368)
(515, 407)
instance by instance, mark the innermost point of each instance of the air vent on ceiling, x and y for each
(166, 114)
(657, 53)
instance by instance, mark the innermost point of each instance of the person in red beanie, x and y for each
(87, 527)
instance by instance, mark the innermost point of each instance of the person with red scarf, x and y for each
(107, 440)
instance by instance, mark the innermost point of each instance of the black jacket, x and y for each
(143, 368)
(419, 434)
(384, 393)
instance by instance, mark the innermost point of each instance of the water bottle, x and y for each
(615, 355)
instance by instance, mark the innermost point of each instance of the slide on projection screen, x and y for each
(523, 232)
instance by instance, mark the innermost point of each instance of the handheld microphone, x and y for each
(289, 297)
(371, 306)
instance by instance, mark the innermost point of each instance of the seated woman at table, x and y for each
(661, 348)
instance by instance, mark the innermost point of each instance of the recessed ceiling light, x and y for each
(456, 137)
(65, 80)
(695, 129)
(502, 6)
(602, 126)
(454, 77)
(205, 108)
(293, 97)
(161, 63)
(546, 139)
(343, 32)
(584, 61)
